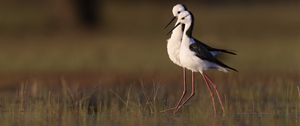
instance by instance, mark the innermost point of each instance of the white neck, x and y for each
(177, 32)
(186, 27)
(185, 37)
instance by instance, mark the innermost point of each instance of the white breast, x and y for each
(173, 46)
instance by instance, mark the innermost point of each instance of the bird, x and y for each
(196, 56)
(174, 41)
(173, 47)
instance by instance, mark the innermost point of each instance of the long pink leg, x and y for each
(217, 91)
(184, 88)
(211, 94)
(192, 93)
(183, 92)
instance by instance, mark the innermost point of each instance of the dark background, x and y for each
(126, 37)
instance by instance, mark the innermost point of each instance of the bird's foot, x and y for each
(169, 109)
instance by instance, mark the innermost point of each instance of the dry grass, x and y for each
(257, 101)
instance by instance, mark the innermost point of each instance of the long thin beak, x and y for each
(170, 22)
(174, 28)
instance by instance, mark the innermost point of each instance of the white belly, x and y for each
(173, 48)
(190, 61)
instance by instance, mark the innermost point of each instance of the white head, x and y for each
(185, 17)
(177, 9)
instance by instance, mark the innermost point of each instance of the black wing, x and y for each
(203, 53)
(214, 49)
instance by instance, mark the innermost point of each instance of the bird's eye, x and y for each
(178, 12)
(182, 18)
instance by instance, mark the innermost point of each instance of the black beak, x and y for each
(170, 22)
(174, 28)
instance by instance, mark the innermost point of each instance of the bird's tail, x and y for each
(232, 69)
(224, 67)
(226, 51)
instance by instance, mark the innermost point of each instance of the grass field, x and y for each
(259, 100)
(117, 76)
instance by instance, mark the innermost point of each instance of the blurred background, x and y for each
(117, 40)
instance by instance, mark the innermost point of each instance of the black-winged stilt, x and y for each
(198, 57)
